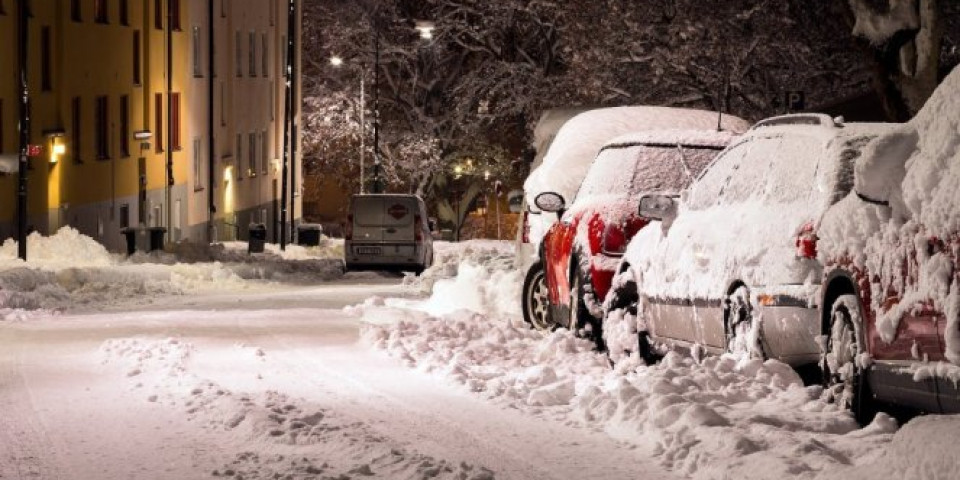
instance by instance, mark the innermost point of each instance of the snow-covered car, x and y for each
(891, 306)
(580, 252)
(733, 266)
(565, 149)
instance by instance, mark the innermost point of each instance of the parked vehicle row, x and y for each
(830, 246)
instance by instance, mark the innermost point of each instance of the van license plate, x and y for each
(368, 250)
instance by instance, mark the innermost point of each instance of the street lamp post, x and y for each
(337, 62)
(23, 127)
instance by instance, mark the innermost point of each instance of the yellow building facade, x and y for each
(132, 140)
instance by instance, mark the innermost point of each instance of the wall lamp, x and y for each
(58, 147)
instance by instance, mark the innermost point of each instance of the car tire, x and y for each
(843, 378)
(742, 329)
(580, 320)
(536, 300)
(626, 297)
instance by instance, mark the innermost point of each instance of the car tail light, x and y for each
(807, 241)
(616, 237)
(614, 240)
(417, 228)
(526, 227)
(348, 228)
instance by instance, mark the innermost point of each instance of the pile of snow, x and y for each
(708, 419)
(477, 275)
(69, 270)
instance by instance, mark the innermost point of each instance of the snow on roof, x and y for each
(8, 164)
(579, 140)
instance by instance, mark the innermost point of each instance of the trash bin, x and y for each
(308, 234)
(156, 238)
(130, 235)
(258, 237)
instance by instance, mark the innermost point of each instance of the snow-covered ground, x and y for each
(205, 364)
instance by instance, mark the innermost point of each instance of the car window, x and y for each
(633, 169)
(753, 172)
(793, 170)
(708, 189)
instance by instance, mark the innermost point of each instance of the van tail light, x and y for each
(417, 228)
(526, 227)
(348, 228)
(806, 241)
(616, 237)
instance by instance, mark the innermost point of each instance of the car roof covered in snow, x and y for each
(580, 138)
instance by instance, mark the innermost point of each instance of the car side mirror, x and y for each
(881, 167)
(550, 202)
(658, 207)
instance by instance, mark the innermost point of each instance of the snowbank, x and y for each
(68, 270)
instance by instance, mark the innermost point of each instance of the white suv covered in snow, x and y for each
(733, 265)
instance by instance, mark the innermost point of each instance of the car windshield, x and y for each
(633, 169)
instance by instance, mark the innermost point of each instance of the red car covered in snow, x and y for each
(890, 311)
(581, 251)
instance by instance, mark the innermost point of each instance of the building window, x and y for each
(100, 11)
(1, 125)
(158, 120)
(197, 69)
(253, 54)
(175, 120)
(238, 41)
(264, 152)
(2, 12)
(125, 126)
(273, 100)
(239, 156)
(175, 15)
(136, 57)
(272, 6)
(75, 13)
(46, 75)
(265, 62)
(252, 147)
(158, 14)
(197, 166)
(224, 7)
(75, 126)
(125, 12)
(102, 125)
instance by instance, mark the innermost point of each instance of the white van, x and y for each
(387, 232)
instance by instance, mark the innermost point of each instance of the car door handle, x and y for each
(391, 230)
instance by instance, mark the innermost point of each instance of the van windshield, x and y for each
(633, 169)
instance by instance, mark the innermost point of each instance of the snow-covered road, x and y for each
(276, 385)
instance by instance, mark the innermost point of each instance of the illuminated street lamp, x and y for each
(337, 62)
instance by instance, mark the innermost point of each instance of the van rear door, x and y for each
(398, 219)
(386, 219)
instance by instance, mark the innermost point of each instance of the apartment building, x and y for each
(152, 113)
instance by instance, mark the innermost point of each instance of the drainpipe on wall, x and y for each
(211, 144)
(170, 180)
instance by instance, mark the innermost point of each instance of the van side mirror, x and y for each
(658, 207)
(881, 167)
(550, 202)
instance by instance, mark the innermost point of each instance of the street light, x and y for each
(337, 62)
(425, 28)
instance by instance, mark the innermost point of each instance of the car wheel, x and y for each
(843, 376)
(536, 299)
(743, 330)
(580, 320)
(622, 306)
